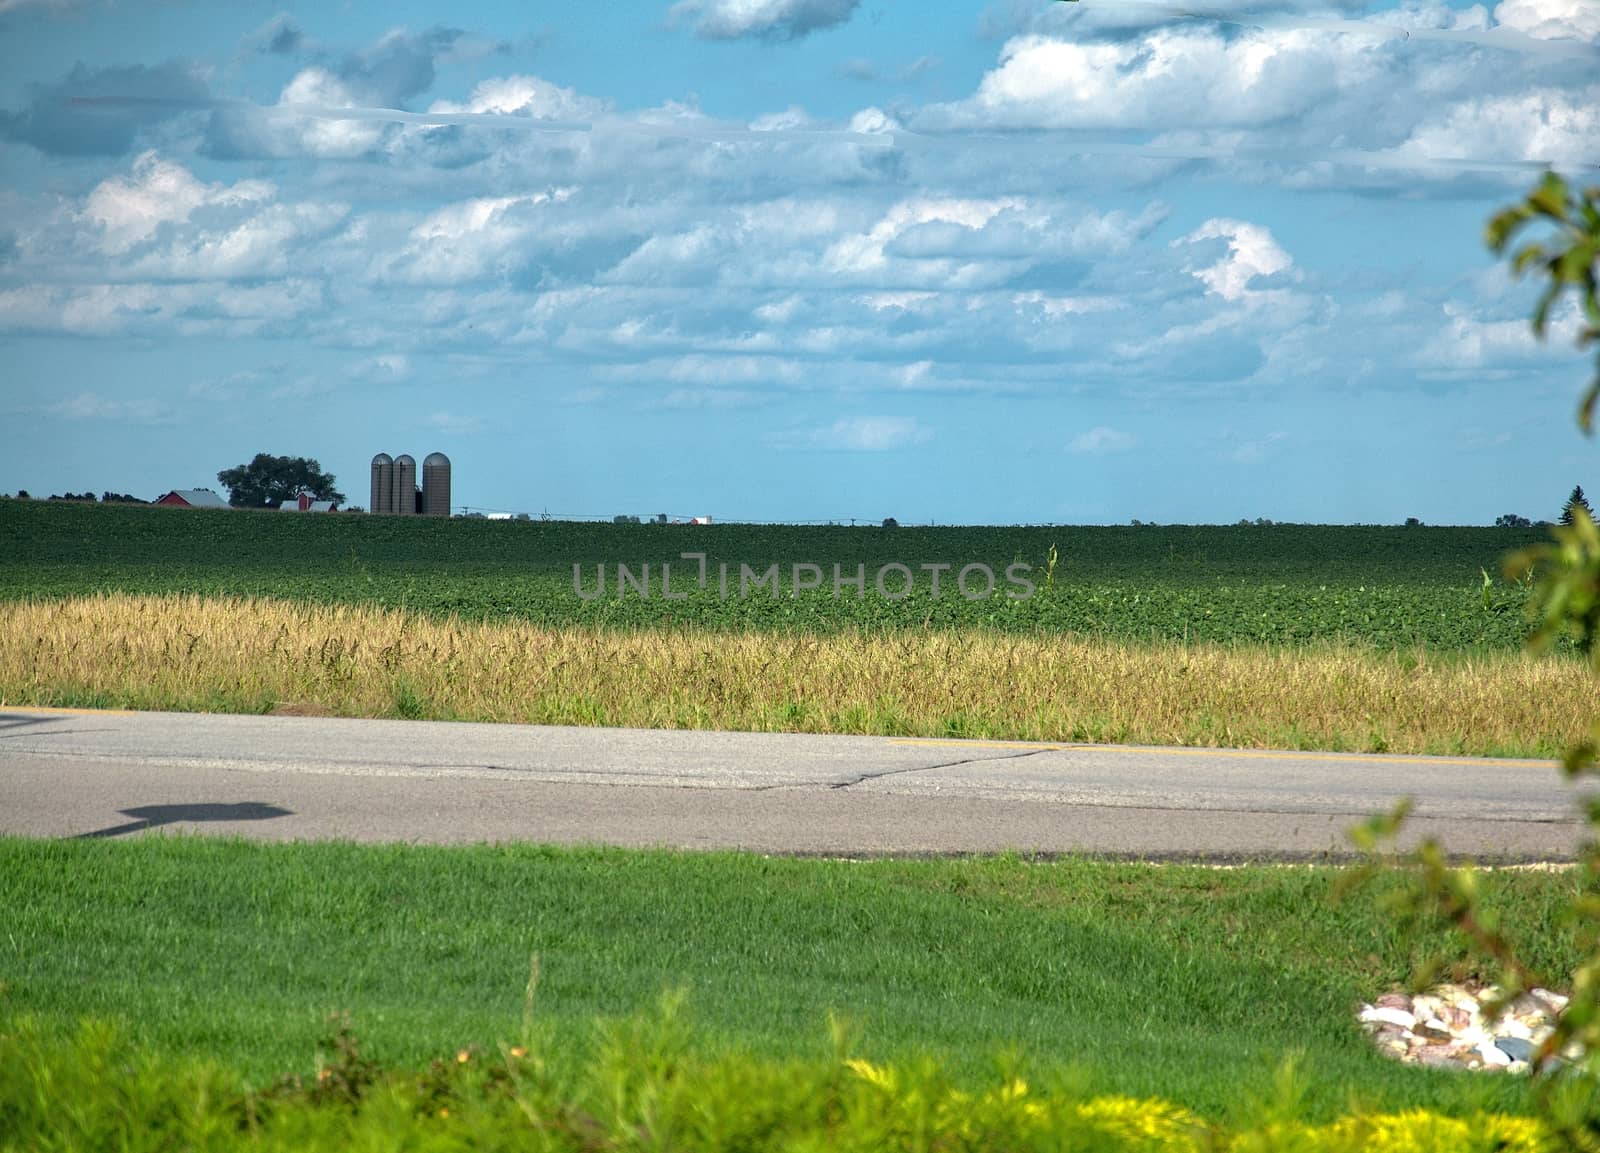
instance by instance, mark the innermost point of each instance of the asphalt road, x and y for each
(75, 774)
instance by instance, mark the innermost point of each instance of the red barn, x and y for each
(192, 498)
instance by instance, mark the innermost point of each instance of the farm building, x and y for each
(304, 503)
(394, 485)
(192, 498)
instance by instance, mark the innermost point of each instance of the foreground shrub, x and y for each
(641, 1089)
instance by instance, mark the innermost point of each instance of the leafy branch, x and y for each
(1567, 258)
(1565, 606)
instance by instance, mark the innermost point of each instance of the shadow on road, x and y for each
(154, 816)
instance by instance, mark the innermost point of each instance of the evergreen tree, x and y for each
(1576, 501)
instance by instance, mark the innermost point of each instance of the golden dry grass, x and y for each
(190, 653)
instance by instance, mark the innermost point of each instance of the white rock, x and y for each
(1553, 1003)
(1474, 1036)
(1492, 1054)
(1388, 1017)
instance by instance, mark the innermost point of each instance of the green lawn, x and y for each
(1181, 982)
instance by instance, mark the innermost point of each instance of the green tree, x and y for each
(268, 481)
(1566, 607)
(1568, 255)
(1575, 502)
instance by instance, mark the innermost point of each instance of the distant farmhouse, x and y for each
(192, 498)
(304, 503)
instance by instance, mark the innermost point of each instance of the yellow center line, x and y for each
(1262, 754)
(943, 743)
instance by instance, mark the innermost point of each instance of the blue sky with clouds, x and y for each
(797, 259)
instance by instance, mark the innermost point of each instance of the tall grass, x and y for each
(190, 653)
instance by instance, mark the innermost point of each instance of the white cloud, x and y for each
(313, 89)
(465, 241)
(1427, 88)
(1166, 78)
(159, 222)
(527, 96)
(129, 209)
(1059, 306)
(1252, 252)
(1539, 126)
(1469, 340)
(1101, 440)
(1551, 19)
(766, 19)
(190, 309)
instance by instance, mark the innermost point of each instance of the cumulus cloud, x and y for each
(529, 96)
(1539, 126)
(1167, 78)
(332, 109)
(1423, 88)
(1251, 253)
(129, 209)
(159, 221)
(762, 19)
(1475, 340)
(467, 240)
(1551, 19)
(671, 259)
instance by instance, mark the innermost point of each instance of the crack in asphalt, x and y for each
(878, 776)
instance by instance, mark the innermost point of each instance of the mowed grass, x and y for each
(1186, 983)
(188, 653)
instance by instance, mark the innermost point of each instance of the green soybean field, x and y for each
(1384, 586)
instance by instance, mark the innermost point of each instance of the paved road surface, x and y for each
(69, 773)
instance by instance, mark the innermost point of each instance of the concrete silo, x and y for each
(436, 485)
(405, 485)
(382, 483)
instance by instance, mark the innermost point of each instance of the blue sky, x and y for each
(797, 259)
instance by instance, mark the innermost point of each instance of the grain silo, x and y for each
(382, 483)
(436, 485)
(405, 485)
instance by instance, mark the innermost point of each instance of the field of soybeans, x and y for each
(1388, 587)
(1268, 636)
